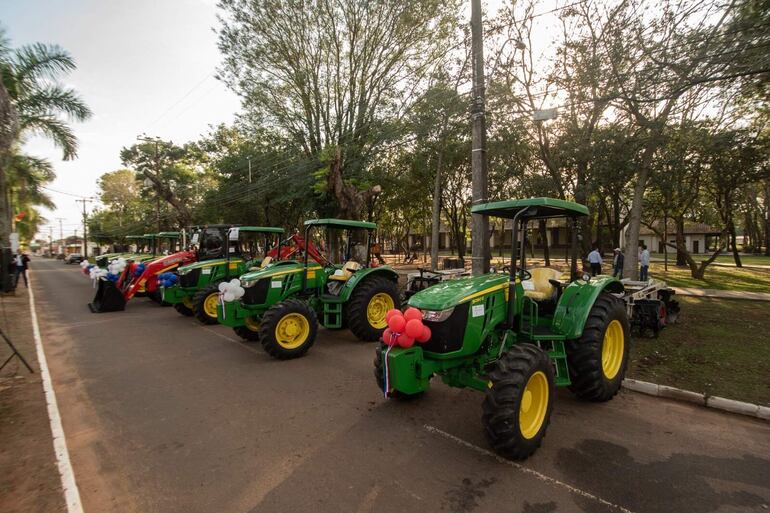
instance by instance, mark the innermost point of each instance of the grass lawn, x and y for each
(721, 259)
(722, 278)
(719, 347)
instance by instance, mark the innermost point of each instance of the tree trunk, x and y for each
(734, 243)
(9, 128)
(681, 258)
(436, 215)
(631, 262)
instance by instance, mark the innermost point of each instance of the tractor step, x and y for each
(332, 313)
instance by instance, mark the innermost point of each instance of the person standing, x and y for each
(644, 263)
(20, 264)
(617, 263)
(595, 260)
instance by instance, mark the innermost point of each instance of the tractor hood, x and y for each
(205, 263)
(275, 269)
(454, 292)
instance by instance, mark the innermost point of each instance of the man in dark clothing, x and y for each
(617, 270)
(20, 264)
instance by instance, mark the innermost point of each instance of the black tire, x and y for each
(584, 356)
(157, 297)
(379, 376)
(199, 302)
(355, 309)
(247, 334)
(508, 381)
(183, 309)
(270, 324)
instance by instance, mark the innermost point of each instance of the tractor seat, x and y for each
(538, 287)
(348, 269)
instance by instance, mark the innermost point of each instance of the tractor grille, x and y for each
(190, 279)
(257, 294)
(448, 336)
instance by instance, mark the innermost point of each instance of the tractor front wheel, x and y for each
(184, 307)
(249, 331)
(205, 303)
(288, 329)
(598, 360)
(366, 309)
(518, 401)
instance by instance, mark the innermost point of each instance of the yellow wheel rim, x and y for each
(292, 331)
(613, 349)
(534, 405)
(210, 304)
(377, 308)
(186, 301)
(252, 324)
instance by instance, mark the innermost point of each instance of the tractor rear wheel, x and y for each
(379, 376)
(288, 329)
(249, 331)
(366, 309)
(205, 303)
(184, 307)
(518, 402)
(598, 360)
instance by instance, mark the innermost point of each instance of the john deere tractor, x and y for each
(516, 335)
(248, 248)
(283, 304)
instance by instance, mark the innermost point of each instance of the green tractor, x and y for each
(197, 294)
(516, 335)
(145, 250)
(283, 303)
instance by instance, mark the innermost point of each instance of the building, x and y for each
(699, 238)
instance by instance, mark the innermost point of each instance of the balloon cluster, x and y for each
(231, 290)
(86, 267)
(404, 329)
(139, 270)
(167, 279)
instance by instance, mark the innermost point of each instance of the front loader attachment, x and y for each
(108, 298)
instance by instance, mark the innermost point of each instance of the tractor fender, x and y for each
(362, 274)
(576, 302)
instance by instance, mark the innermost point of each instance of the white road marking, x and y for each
(234, 341)
(70, 487)
(526, 470)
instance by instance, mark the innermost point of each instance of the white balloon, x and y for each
(239, 292)
(229, 296)
(235, 282)
(223, 287)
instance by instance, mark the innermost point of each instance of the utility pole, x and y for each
(61, 230)
(50, 241)
(85, 229)
(249, 161)
(480, 224)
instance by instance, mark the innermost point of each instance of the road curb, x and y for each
(709, 401)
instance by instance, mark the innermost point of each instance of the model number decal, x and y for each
(477, 310)
(276, 284)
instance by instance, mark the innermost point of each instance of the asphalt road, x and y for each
(162, 414)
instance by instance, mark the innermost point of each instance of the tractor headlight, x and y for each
(437, 315)
(248, 283)
(586, 277)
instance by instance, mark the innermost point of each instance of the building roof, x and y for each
(690, 228)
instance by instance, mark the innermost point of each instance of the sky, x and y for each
(143, 66)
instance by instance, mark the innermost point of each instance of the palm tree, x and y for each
(33, 102)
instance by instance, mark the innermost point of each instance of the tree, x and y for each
(33, 102)
(332, 74)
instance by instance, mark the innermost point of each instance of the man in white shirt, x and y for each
(595, 260)
(644, 263)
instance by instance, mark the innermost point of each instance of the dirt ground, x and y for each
(29, 479)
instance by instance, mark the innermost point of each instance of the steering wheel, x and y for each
(522, 274)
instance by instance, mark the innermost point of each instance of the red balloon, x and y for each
(387, 337)
(412, 313)
(413, 328)
(405, 341)
(391, 313)
(397, 323)
(425, 335)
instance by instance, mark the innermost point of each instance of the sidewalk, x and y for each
(29, 478)
(722, 294)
